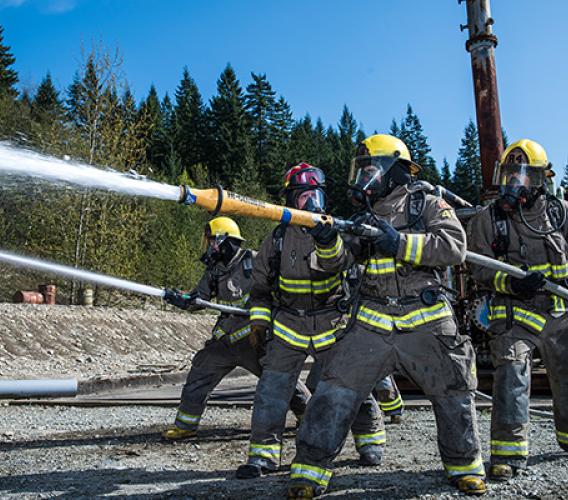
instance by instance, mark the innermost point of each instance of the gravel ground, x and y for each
(95, 342)
(117, 451)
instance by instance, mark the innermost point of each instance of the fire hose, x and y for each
(217, 200)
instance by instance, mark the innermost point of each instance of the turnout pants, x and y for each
(210, 365)
(386, 391)
(281, 368)
(435, 357)
(511, 351)
(387, 394)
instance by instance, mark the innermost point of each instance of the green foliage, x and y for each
(230, 153)
(467, 181)
(8, 76)
(243, 140)
(410, 131)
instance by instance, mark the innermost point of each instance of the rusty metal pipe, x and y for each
(481, 45)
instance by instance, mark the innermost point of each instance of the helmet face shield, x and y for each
(312, 200)
(368, 173)
(304, 177)
(518, 183)
(517, 175)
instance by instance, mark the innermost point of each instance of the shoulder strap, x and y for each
(415, 210)
(500, 221)
(247, 264)
(277, 246)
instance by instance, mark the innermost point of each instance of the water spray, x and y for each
(102, 279)
(20, 162)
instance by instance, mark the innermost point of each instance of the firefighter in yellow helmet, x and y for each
(227, 279)
(401, 320)
(526, 227)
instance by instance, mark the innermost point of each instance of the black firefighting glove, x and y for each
(388, 241)
(529, 285)
(324, 234)
(178, 298)
(258, 336)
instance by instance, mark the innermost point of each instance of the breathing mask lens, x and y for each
(213, 251)
(518, 182)
(368, 174)
(312, 200)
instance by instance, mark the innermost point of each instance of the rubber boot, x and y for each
(255, 468)
(396, 419)
(174, 433)
(304, 491)
(370, 456)
(471, 485)
(501, 472)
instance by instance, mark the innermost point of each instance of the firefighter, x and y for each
(227, 278)
(401, 320)
(386, 393)
(525, 227)
(294, 303)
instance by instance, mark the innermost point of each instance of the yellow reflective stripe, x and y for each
(309, 286)
(270, 451)
(368, 439)
(535, 321)
(562, 437)
(497, 312)
(475, 468)
(239, 334)
(559, 306)
(239, 302)
(262, 313)
(414, 247)
(330, 253)
(395, 404)
(509, 448)
(422, 316)
(545, 269)
(218, 333)
(311, 473)
(375, 318)
(381, 266)
(186, 418)
(500, 282)
(324, 339)
(559, 271)
(290, 336)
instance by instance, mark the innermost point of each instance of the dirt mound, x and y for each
(61, 341)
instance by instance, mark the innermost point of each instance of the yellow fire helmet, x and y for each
(388, 145)
(534, 152)
(223, 226)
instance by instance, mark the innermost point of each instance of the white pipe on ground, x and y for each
(38, 388)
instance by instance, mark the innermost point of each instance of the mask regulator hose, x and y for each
(553, 204)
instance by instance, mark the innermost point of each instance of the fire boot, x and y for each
(370, 455)
(256, 467)
(396, 419)
(174, 433)
(501, 472)
(471, 485)
(304, 491)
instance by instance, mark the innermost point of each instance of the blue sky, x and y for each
(373, 55)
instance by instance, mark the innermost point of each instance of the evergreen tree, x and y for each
(564, 181)
(412, 134)
(467, 181)
(260, 103)
(344, 151)
(189, 124)
(230, 158)
(8, 76)
(302, 142)
(446, 175)
(281, 124)
(46, 105)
